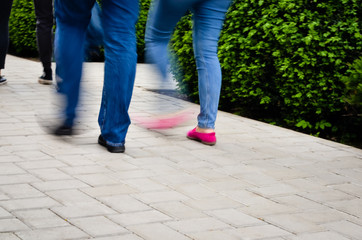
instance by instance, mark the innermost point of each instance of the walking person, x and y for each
(5, 9)
(208, 18)
(119, 20)
(44, 36)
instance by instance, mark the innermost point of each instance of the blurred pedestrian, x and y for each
(5, 9)
(208, 18)
(119, 20)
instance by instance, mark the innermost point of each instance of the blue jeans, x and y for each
(94, 35)
(119, 19)
(208, 18)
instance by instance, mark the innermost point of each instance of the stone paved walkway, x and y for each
(258, 182)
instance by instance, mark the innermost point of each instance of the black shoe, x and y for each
(63, 130)
(112, 149)
(2, 80)
(46, 78)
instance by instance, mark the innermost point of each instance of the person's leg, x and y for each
(119, 20)
(162, 19)
(5, 9)
(208, 22)
(44, 36)
(72, 20)
(94, 36)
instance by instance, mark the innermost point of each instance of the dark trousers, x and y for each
(5, 9)
(44, 31)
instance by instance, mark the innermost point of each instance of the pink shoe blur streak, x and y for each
(164, 122)
(205, 138)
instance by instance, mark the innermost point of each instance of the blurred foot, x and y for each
(63, 130)
(2, 80)
(164, 121)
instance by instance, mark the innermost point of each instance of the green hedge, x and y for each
(22, 28)
(282, 61)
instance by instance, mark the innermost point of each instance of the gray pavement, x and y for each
(258, 182)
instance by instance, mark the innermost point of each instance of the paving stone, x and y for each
(133, 174)
(98, 226)
(59, 185)
(41, 164)
(123, 237)
(258, 232)
(178, 210)
(8, 236)
(212, 235)
(40, 218)
(4, 213)
(60, 233)
(305, 185)
(279, 189)
(108, 190)
(83, 210)
(196, 191)
(352, 206)
(268, 208)
(320, 216)
(96, 179)
(145, 185)
(71, 197)
(245, 197)
(157, 231)
(197, 225)
(30, 155)
(177, 179)
(21, 191)
(348, 229)
(18, 178)
(299, 202)
(50, 174)
(227, 184)
(235, 217)
(293, 223)
(12, 225)
(212, 203)
(135, 218)
(328, 196)
(28, 203)
(124, 203)
(10, 168)
(164, 196)
(89, 169)
(349, 188)
(320, 236)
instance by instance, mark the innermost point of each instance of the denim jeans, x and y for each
(94, 35)
(208, 18)
(119, 19)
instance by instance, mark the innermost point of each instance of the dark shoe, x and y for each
(112, 149)
(2, 80)
(63, 130)
(46, 79)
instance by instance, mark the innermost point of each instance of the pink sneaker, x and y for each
(205, 138)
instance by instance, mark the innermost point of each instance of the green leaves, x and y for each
(22, 28)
